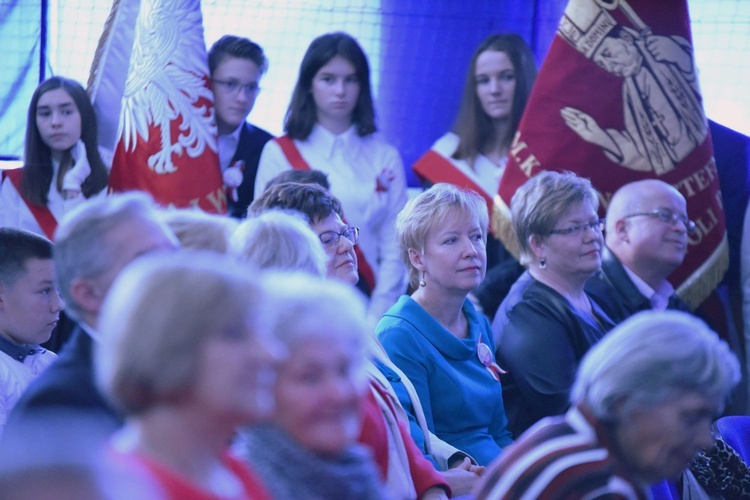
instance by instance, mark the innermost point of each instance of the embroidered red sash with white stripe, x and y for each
(434, 167)
(42, 214)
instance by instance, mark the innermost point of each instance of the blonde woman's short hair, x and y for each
(427, 211)
(537, 206)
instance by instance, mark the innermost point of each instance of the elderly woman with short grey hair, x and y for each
(281, 240)
(547, 322)
(436, 336)
(309, 449)
(643, 402)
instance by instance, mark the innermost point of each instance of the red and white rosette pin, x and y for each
(484, 353)
(232, 178)
(384, 180)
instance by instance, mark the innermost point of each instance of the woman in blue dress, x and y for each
(436, 336)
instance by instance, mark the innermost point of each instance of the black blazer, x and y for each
(252, 140)
(540, 340)
(616, 293)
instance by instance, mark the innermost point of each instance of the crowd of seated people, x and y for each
(339, 340)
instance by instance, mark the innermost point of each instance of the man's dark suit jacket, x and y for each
(616, 293)
(67, 386)
(249, 147)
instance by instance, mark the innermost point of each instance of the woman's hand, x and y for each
(463, 477)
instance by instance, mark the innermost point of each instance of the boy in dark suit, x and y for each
(236, 66)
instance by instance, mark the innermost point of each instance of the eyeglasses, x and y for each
(331, 238)
(667, 216)
(233, 86)
(596, 226)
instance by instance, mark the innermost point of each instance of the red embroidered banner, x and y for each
(151, 89)
(617, 100)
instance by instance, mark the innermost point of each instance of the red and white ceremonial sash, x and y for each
(42, 214)
(617, 100)
(151, 89)
(434, 167)
(295, 159)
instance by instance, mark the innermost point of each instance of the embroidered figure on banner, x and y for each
(662, 110)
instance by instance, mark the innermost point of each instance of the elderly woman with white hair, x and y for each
(310, 448)
(279, 239)
(436, 336)
(642, 406)
(185, 355)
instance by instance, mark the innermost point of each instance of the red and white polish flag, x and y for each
(151, 89)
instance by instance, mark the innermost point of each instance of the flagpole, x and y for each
(626, 9)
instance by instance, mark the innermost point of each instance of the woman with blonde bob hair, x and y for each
(547, 322)
(436, 336)
(184, 354)
(474, 153)
(642, 407)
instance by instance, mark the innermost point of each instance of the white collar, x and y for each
(665, 288)
(326, 141)
(235, 134)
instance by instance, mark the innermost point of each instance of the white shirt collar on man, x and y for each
(659, 298)
(228, 146)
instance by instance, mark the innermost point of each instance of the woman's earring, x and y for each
(543, 263)
(422, 282)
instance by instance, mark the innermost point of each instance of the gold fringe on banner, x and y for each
(706, 278)
(502, 226)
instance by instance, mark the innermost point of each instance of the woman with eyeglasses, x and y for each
(547, 322)
(385, 427)
(435, 336)
(330, 126)
(324, 214)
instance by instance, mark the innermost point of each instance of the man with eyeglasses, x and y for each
(646, 240)
(236, 65)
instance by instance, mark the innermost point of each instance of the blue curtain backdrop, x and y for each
(21, 34)
(418, 102)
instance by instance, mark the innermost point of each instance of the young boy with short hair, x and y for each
(29, 311)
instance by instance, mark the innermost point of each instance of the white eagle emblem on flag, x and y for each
(166, 80)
